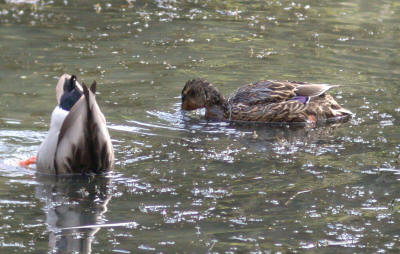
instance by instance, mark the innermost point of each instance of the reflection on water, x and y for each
(184, 183)
(70, 204)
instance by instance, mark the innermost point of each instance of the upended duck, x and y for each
(78, 141)
(265, 101)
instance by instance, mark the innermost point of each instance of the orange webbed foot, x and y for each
(25, 163)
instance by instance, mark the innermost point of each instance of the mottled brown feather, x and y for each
(266, 101)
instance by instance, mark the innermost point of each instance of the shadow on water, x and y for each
(74, 207)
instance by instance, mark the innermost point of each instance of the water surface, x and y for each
(182, 184)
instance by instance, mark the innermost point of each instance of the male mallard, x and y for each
(265, 101)
(78, 140)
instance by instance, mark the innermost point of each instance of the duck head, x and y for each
(199, 93)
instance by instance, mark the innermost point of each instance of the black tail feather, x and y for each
(93, 87)
(91, 138)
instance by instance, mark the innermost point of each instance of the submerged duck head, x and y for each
(199, 93)
(71, 93)
(78, 141)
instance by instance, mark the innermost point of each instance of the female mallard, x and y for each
(78, 140)
(265, 101)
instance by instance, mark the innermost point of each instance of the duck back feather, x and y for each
(312, 90)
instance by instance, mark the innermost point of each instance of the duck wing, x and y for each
(312, 90)
(84, 144)
(285, 111)
(264, 92)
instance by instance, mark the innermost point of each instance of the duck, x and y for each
(268, 101)
(78, 141)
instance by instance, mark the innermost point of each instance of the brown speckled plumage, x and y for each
(264, 101)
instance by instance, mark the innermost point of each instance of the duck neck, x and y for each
(215, 103)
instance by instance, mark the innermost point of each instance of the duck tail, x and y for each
(93, 87)
(343, 111)
(340, 115)
(91, 127)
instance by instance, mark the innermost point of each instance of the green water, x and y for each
(185, 185)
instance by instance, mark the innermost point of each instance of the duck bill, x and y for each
(188, 106)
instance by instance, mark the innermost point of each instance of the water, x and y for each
(185, 185)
